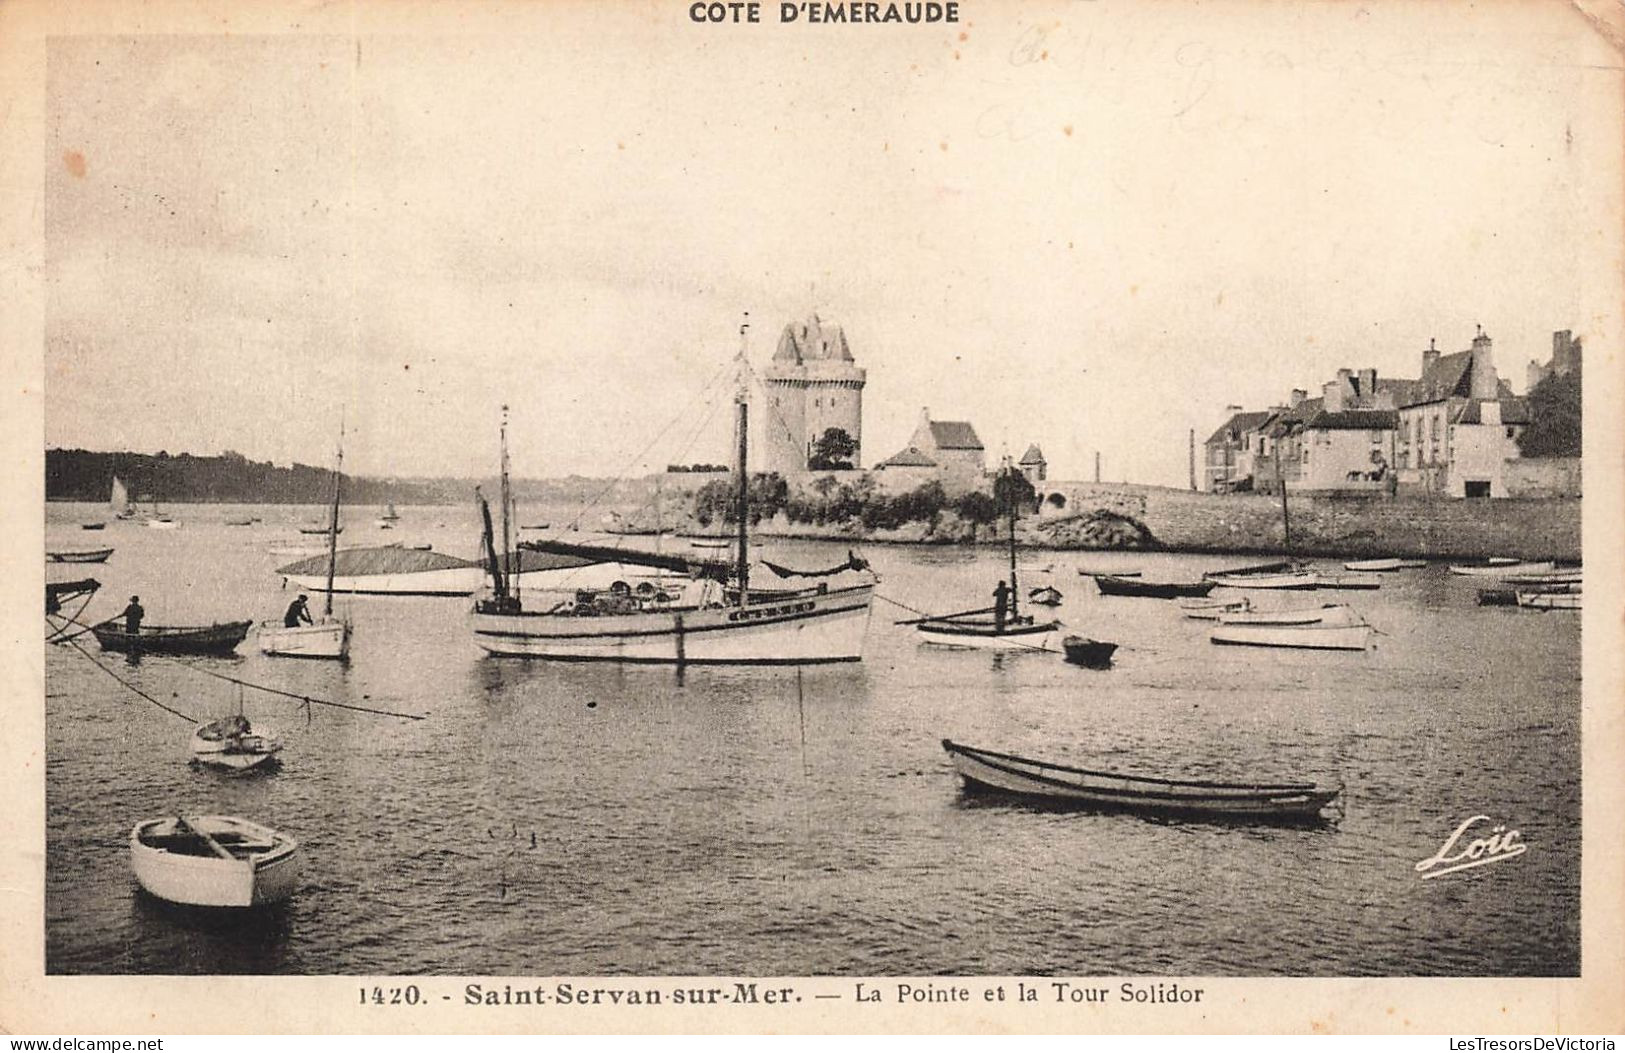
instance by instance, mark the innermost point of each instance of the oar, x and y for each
(941, 617)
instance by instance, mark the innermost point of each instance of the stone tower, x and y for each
(812, 385)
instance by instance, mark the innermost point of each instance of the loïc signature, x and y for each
(1500, 844)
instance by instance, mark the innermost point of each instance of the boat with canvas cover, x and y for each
(1311, 637)
(1112, 585)
(1043, 782)
(716, 618)
(387, 570)
(214, 861)
(326, 637)
(216, 639)
(1385, 565)
(233, 744)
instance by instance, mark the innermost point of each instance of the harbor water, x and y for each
(579, 819)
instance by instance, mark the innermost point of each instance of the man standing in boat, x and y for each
(132, 616)
(298, 613)
(1001, 605)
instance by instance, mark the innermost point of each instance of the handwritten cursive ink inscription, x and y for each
(1499, 845)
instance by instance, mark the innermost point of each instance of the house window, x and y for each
(1512, 432)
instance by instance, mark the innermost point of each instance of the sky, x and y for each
(1092, 226)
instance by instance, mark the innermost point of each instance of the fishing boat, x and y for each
(1301, 580)
(1046, 596)
(386, 570)
(1326, 614)
(1347, 582)
(1385, 565)
(1093, 654)
(217, 639)
(1312, 637)
(118, 501)
(718, 617)
(326, 637)
(1500, 568)
(1112, 585)
(1088, 572)
(1549, 601)
(233, 744)
(1272, 567)
(1208, 608)
(984, 771)
(92, 555)
(214, 861)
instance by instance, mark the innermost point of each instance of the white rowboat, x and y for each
(1267, 581)
(214, 861)
(233, 744)
(1327, 614)
(1385, 564)
(1313, 637)
(1503, 568)
(328, 638)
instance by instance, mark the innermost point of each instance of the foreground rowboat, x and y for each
(984, 771)
(1311, 637)
(214, 861)
(167, 639)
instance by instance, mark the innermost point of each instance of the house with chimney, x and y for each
(947, 451)
(1229, 453)
(1460, 425)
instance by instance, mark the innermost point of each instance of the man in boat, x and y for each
(1001, 605)
(298, 613)
(132, 616)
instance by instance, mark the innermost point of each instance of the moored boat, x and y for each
(1384, 565)
(92, 526)
(217, 639)
(1209, 608)
(1090, 572)
(1501, 568)
(233, 744)
(1326, 614)
(92, 555)
(214, 861)
(1549, 601)
(1092, 654)
(1112, 585)
(329, 637)
(1572, 576)
(118, 501)
(984, 771)
(1300, 580)
(1313, 637)
(1045, 596)
(387, 570)
(1347, 581)
(239, 522)
(1021, 633)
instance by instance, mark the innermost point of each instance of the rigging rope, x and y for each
(1017, 643)
(307, 699)
(93, 661)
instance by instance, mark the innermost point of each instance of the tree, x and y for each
(832, 450)
(1554, 418)
(1013, 493)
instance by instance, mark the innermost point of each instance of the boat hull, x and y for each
(88, 556)
(1267, 581)
(982, 637)
(801, 630)
(1092, 654)
(162, 524)
(235, 753)
(1385, 565)
(1211, 610)
(1110, 585)
(1549, 601)
(1053, 784)
(451, 581)
(1331, 615)
(210, 881)
(1309, 637)
(324, 639)
(158, 639)
(1502, 570)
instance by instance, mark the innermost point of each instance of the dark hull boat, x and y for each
(984, 771)
(162, 639)
(1111, 585)
(95, 555)
(1048, 596)
(1092, 654)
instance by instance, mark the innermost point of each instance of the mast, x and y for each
(742, 494)
(333, 526)
(1014, 589)
(1280, 482)
(507, 499)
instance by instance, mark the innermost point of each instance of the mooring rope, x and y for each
(93, 661)
(307, 699)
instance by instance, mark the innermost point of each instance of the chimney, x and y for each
(1485, 384)
(1333, 392)
(1297, 399)
(1368, 385)
(925, 416)
(1560, 342)
(1430, 358)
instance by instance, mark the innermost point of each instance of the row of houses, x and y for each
(1450, 432)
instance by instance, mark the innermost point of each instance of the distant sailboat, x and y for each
(119, 502)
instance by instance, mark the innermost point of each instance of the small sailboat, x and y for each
(214, 861)
(390, 515)
(327, 637)
(233, 744)
(119, 501)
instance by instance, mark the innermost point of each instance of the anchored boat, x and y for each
(217, 639)
(1092, 654)
(214, 861)
(233, 744)
(330, 636)
(1384, 565)
(1327, 614)
(1501, 568)
(1112, 585)
(92, 555)
(985, 771)
(1209, 609)
(1312, 637)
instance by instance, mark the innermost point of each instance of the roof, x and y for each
(812, 340)
(1033, 456)
(1285, 420)
(1402, 390)
(386, 559)
(1237, 424)
(1513, 411)
(1352, 420)
(954, 435)
(909, 458)
(1443, 379)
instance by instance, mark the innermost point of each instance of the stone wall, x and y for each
(1542, 477)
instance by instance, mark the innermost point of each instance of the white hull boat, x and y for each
(1312, 637)
(1383, 565)
(1502, 568)
(214, 861)
(328, 638)
(1328, 614)
(1557, 577)
(452, 581)
(809, 628)
(1550, 601)
(982, 636)
(1267, 581)
(1209, 609)
(162, 523)
(233, 744)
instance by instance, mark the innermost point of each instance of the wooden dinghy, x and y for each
(214, 861)
(1295, 580)
(1112, 585)
(1549, 601)
(1501, 568)
(83, 555)
(1347, 581)
(1385, 565)
(1561, 576)
(985, 771)
(1091, 654)
(1090, 573)
(1017, 634)
(172, 639)
(1047, 596)
(1311, 637)
(1326, 614)
(1210, 609)
(233, 744)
